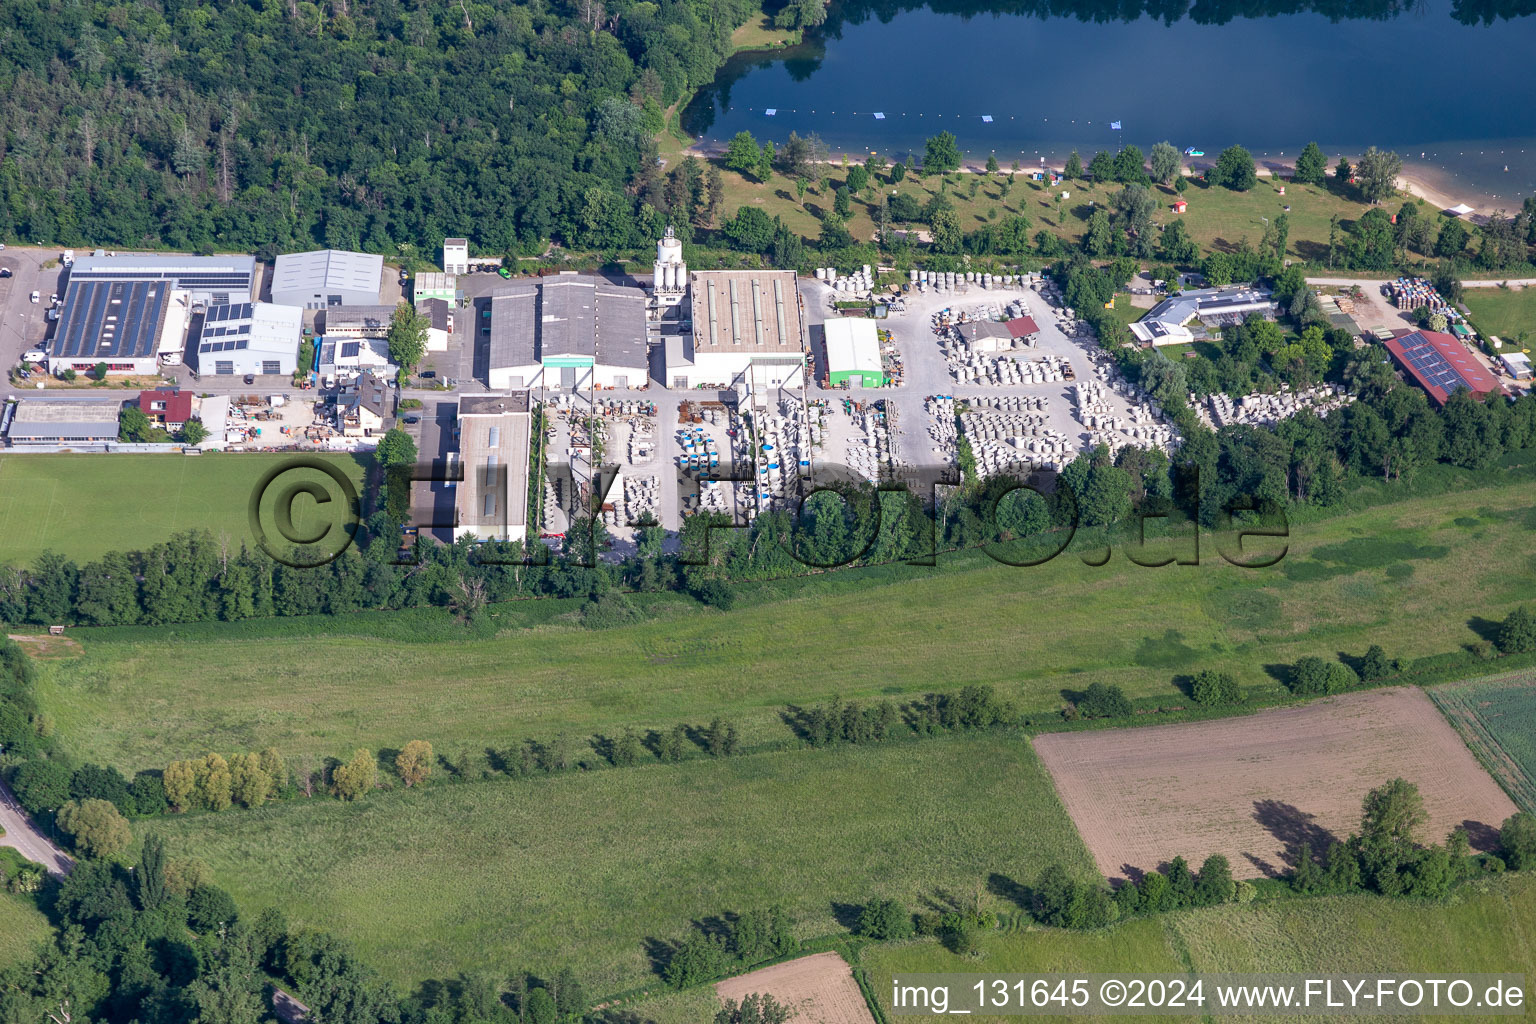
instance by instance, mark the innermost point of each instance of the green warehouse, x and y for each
(853, 353)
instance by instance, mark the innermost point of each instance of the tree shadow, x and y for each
(1293, 827)
(942, 902)
(1015, 892)
(1486, 629)
(1483, 837)
(1132, 873)
(1279, 672)
(1185, 684)
(1263, 866)
(847, 914)
(1312, 252)
(659, 952)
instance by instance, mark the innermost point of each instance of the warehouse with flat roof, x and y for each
(208, 280)
(131, 326)
(568, 331)
(748, 329)
(45, 421)
(327, 277)
(491, 502)
(249, 337)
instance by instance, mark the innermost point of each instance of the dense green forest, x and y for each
(275, 125)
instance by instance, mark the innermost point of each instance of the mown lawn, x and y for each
(1412, 576)
(86, 505)
(587, 869)
(1489, 926)
(1506, 313)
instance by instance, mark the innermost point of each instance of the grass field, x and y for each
(1506, 313)
(1032, 632)
(1497, 718)
(586, 868)
(22, 926)
(85, 505)
(1489, 926)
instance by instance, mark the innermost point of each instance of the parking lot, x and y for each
(22, 322)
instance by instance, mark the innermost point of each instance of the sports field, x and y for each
(1256, 787)
(587, 869)
(1490, 926)
(1497, 718)
(1413, 576)
(83, 506)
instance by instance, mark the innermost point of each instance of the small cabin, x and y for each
(1180, 205)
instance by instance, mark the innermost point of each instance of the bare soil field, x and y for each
(820, 989)
(1254, 788)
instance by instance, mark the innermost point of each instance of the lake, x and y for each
(1448, 87)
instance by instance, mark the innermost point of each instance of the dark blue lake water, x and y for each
(1455, 98)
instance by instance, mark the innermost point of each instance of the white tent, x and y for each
(1460, 209)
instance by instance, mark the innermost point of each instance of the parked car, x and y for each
(5, 271)
(413, 419)
(427, 374)
(250, 378)
(36, 296)
(504, 272)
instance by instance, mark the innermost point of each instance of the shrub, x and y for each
(698, 958)
(1213, 688)
(1311, 676)
(885, 919)
(1102, 700)
(1375, 665)
(1518, 634)
(1517, 840)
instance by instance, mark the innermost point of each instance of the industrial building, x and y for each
(39, 421)
(669, 278)
(435, 286)
(568, 331)
(1166, 323)
(347, 357)
(1517, 365)
(853, 352)
(456, 255)
(370, 321)
(986, 336)
(748, 333)
(249, 337)
(1440, 365)
(327, 277)
(130, 326)
(491, 502)
(207, 280)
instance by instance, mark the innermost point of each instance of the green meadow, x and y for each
(1420, 577)
(592, 869)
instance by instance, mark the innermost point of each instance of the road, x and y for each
(22, 835)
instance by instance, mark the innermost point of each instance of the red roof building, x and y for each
(1440, 365)
(166, 408)
(1180, 205)
(1023, 327)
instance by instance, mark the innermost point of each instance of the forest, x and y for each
(278, 125)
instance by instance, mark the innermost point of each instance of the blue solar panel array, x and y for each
(225, 328)
(1431, 366)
